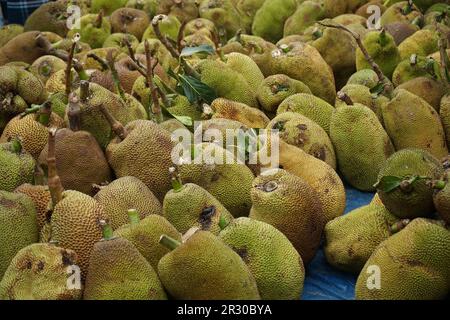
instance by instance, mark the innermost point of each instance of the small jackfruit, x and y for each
(16, 165)
(129, 20)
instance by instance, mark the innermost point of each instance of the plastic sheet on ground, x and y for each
(324, 282)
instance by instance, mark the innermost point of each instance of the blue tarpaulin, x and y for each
(323, 282)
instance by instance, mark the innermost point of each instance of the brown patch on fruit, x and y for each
(206, 216)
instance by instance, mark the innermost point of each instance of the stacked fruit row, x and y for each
(95, 94)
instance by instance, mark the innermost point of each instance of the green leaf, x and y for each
(378, 89)
(187, 121)
(204, 48)
(388, 183)
(195, 90)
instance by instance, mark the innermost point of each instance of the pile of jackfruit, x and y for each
(99, 202)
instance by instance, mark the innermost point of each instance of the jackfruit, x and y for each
(51, 16)
(309, 106)
(169, 27)
(45, 66)
(9, 31)
(189, 205)
(117, 271)
(227, 109)
(276, 200)
(247, 67)
(351, 239)
(444, 112)
(18, 226)
(247, 10)
(353, 128)
(383, 50)
(16, 165)
(40, 272)
(145, 234)
(128, 20)
(426, 88)
(422, 43)
(303, 62)
(223, 14)
(40, 195)
(413, 265)
(404, 11)
(75, 225)
(127, 193)
(118, 40)
(364, 77)
(412, 123)
(148, 6)
(305, 15)
(401, 31)
(207, 264)
(441, 199)
(107, 6)
(412, 197)
(413, 68)
(305, 134)
(22, 47)
(275, 89)
(276, 265)
(94, 30)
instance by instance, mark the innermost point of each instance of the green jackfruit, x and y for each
(128, 20)
(40, 195)
(18, 226)
(353, 128)
(118, 40)
(108, 6)
(223, 14)
(185, 11)
(247, 67)
(306, 14)
(45, 66)
(51, 16)
(227, 109)
(412, 123)
(413, 197)
(415, 67)
(422, 42)
(276, 265)
(16, 166)
(444, 112)
(351, 239)
(94, 30)
(403, 11)
(9, 31)
(207, 264)
(364, 77)
(117, 271)
(40, 272)
(169, 27)
(426, 88)
(413, 265)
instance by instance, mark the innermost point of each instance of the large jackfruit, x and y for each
(412, 123)
(117, 271)
(232, 110)
(413, 265)
(145, 234)
(40, 195)
(351, 239)
(9, 31)
(127, 193)
(40, 272)
(223, 14)
(18, 226)
(289, 204)
(353, 129)
(24, 47)
(16, 166)
(305, 15)
(207, 264)
(276, 265)
(422, 43)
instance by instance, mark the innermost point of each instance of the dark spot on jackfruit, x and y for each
(66, 258)
(7, 203)
(29, 265)
(320, 153)
(206, 216)
(40, 266)
(302, 127)
(350, 252)
(243, 253)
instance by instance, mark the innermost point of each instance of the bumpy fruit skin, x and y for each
(422, 43)
(319, 175)
(351, 239)
(417, 200)
(40, 195)
(23, 48)
(205, 268)
(184, 11)
(145, 236)
(90, 33)
(128, 20)
(39, 272)
(33, 134)
(228, 183)
(15, 168)
(49, 17)
(223, 14)
(309, 106)
(76, 226)
(127, 193)
(117, 40)
(441, 200)
(428, 89)
(193, 206)
(353, 129)
(382, 48)
(408, 70)
(150, 162)
(413, 264)
(117, 271)
(270, 18)
(276, 200)
(305, 134)
(9, 31)
(73, 151)
(227, 83)
(247, 67)
(364, 77)
(46, 66)
(276, 265)
(412, 123)
(108, 6)
(306, 14)
(18, 226)
(444, 113)
(303, 62)
(169, 26)
(232, 110)
(247, 10)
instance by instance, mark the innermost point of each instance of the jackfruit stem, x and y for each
(180, 36)
(169, 242)
(223, 223)
(54, 182)
(156, 108)
(39, 176)
(102, 62)
(84, 91)
(383, 38)
(177, 184)
(16, 145)
(74, 112)
(345, 98)
(68, 71)
(33, 109)
(388, 87)
(399, 226)
(134, 217)
(408, 8)
(116, 126)
(99, 20)
(107, 230)
(111, 64)
(135, 62)
(238, 36)
(445, 61)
